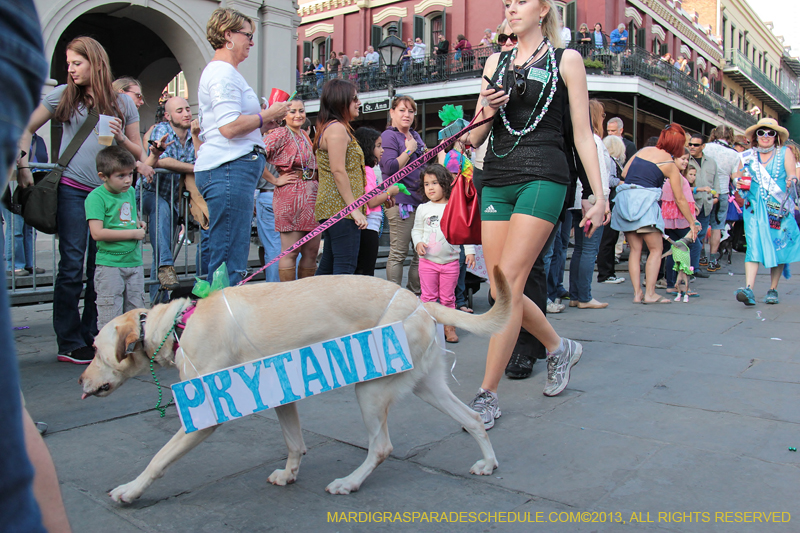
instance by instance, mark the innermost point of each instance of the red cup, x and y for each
(277, 96)
(744, 185)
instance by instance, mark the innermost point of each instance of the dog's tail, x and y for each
(485, 324)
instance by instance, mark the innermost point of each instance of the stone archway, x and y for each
(151, 43)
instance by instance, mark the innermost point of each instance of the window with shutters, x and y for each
(437, 29)
(571, 17)
(308, 50)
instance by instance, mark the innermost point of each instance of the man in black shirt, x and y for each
(442, 49)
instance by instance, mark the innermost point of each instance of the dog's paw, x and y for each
(341, 486)
(483, 468)
(125, 493)
(282, 477)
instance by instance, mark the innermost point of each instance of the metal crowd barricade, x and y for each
(38, 288)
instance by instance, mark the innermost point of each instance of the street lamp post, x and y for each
(391, 50)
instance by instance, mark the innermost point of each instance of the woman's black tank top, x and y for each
(539, 154)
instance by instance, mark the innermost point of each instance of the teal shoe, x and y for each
(746, 296)
(772, 297)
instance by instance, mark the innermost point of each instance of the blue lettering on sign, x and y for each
(184, 403)
(307, 354)
(218, 393)
(389, 335)
(279, 362)
(252, 384)
(335, 354)
(363, 341)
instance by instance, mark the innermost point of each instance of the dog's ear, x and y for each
(127, 336)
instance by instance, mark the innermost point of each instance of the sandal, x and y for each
(661, 300)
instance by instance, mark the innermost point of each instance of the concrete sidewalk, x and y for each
(679, 409)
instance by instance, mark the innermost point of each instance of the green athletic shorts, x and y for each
(541, 199)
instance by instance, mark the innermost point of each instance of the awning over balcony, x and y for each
(745, 73)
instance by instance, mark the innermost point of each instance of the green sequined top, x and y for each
(329, 201)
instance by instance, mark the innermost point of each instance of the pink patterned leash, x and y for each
(388, 182)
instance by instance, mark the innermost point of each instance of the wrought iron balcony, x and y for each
(744, 72)
(436, 69)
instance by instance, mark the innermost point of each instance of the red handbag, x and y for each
(461, 221)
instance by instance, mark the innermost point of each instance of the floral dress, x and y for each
(293, 203)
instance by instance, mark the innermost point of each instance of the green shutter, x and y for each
(377, 36)
(419, 27)
(400, 29)
(308, 50)
(444, 24)
(570, 17)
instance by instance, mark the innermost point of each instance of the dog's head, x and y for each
(119, 355)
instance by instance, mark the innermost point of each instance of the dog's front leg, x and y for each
(176, 448)
(293, 435)
(374, 398)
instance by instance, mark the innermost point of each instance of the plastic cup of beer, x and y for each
(104, 135)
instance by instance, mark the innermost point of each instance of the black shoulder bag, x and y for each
(40, 202)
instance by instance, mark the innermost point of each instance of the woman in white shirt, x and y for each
(231, 159)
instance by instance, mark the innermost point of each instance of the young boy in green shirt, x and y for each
(111, 212)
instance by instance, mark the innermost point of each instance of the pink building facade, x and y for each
(349, 25)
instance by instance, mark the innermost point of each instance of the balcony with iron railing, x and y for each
(743, 71)
(431, 69)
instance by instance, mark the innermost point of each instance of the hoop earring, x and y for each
(232, 45)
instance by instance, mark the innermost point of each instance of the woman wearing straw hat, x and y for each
(773, 238)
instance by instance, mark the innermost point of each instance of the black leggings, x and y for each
(367, 253)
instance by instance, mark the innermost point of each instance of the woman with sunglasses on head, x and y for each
(584, 40)
(340, 164)
(771, 231)
(401, 146)
(526, 175)
(231, 159)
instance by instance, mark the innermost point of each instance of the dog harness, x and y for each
(180, 324)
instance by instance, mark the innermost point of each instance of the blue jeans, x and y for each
(340, 254)
(75, 245)
(19, 242)
(581, 267)
(228, 191)
(162, 227)
(270, 239)
(22, 69)
(697, 245)
(670, 275)
(556, 258)
(461, 285)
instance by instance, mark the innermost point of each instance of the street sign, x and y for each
(372, 107)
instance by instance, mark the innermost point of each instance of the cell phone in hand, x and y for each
(492, 85)
(154, 144)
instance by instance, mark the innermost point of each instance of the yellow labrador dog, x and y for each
(277, 317)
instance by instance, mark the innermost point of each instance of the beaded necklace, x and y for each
(552, 67)
(308, 172)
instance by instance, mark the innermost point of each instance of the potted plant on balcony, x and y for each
(660, 80)
(592, 66)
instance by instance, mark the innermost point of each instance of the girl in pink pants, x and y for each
(438, 259)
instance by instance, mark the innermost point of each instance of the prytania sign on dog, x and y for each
(276, 380)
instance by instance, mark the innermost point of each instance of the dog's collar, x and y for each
(132, 346)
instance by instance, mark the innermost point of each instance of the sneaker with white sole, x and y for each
(613, 280)
(559, 366)
(487, 406)
(553, 307)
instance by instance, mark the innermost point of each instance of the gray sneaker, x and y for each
(558, 367)
(487, 405)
